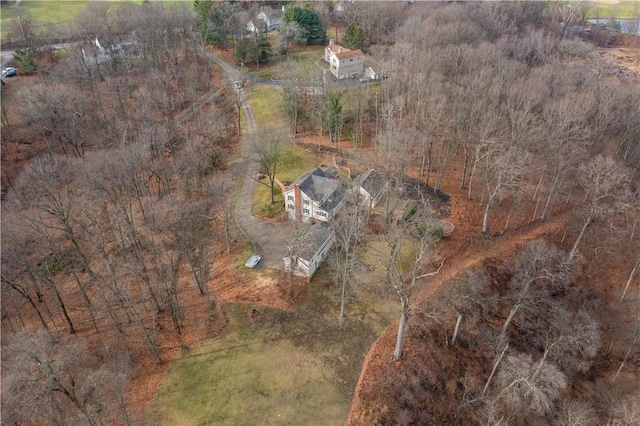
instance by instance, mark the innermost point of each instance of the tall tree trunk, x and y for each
(86, 300)
(49, 280)
(631, 275)
(457, 328)
(495, 367)
(344, 287)
(512, 313)
(485, 218)
(397, 353)
(574, 249)
(552, 191)
(465, 165)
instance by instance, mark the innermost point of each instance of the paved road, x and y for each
(269, 239)
(7, 55)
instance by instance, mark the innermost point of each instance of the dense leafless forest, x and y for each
(117, 206)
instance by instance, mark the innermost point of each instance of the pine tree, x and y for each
(309, 20)
(353, 37)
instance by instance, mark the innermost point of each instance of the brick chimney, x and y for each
(298, 202)
(330, 42)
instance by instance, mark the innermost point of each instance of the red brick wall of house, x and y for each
(298, 202)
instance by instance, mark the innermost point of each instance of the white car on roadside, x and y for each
(9, 72)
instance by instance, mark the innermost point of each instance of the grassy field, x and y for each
(273, 367)
(265, 102)
(624, 9)
(293, 161)
(262, 206)
(43, 11)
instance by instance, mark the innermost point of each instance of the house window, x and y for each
(306, 211)
(306, 201)
(290, 206)
(290, 197)
(350, 60)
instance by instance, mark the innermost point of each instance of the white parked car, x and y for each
(253, 261)
(9, 72)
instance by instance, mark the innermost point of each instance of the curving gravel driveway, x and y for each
(269, 239)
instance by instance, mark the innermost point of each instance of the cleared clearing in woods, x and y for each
(273, 366)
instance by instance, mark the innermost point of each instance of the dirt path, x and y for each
(499, 247)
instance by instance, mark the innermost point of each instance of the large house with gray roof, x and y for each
(319, 194)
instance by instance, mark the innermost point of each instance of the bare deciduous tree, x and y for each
(606, 186)
(61, 383)
(537, 270)
(466, 295)
(529, 386)
(348, 228)
(266, 150)
(408, 243)
(503, 169)
(575, 413)
(220, 189)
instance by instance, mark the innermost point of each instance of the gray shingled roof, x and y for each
(316, 234)
(322, 186)
(370, 181)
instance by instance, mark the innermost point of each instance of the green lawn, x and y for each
(262, 206)
(624, 9)
(279, 367)
(43, 11)
(46, 12)
(265, 102)
(293, 161)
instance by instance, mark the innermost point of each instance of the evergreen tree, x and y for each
(244, 50)
(24, 59)
(262, 50)
(353, 37)
(309, 20)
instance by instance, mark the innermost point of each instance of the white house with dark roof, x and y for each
(267, 20)
(343, 62)
(317, 194)
(370, 187)
(309, 250)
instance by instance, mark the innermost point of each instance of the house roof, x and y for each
(314, 237)
(342, 52)
(370, 181)
(322, 186)
(259, 23)
(335, 48)
(349, 54)
(272, 13)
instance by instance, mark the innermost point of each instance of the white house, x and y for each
(267, 20)
(317, 194)
(343, 62)
(310, 250)
(370, 187)
(97, 53)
